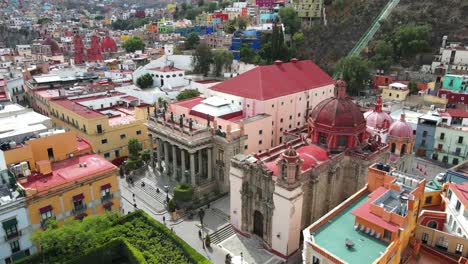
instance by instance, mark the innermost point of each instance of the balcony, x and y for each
(107, 197)
(79, 209)
(12, 236)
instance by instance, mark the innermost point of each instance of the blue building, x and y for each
(251, 38)
(425, 133)
(458, 174)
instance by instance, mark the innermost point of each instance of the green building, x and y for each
(456, 83)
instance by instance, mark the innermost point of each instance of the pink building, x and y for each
(265, 3)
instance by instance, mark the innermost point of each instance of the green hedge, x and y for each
(133, 238)
(111, 252)
(183, 192)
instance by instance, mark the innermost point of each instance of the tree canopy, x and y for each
(202, 59)
(145, 81)
(133, 44)
(290, 19)
(192, 40)
(188, 93)
(356, 72)
(222, 59)
(133, 23)
(134, 148)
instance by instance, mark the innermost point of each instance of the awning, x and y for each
(45, 209)
(106, 186)
(108, 205)
(81, 216)
(78, 197)
(9, 223)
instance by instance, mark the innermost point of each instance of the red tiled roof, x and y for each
(364, 212)
(458, 113)
(78, 108)
(129, 98)
(190, 103)
(271, 81)
(68, 170)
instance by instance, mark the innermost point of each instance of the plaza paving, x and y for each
(216, 217)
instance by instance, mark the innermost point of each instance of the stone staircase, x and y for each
(222, 234)
(151, 191)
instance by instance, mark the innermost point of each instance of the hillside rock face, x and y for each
(326, 45)
(12, 37)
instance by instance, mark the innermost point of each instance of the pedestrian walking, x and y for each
(164, 219)
(199, 234)
(172, 229)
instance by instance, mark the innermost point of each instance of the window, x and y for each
(440, 147)
(425, 238)
(298, 123)
(50, 153)
(290, 126)
(272, 106)
(315, 260)
(299, 115)
(99, 129)
(455, 161)
(458, 205)
(260, 132)
(445, 159)
(104, 141)
(428, 200)
(322, 139)
(459, 249)
(260, 142)
(281, 120)
(46, 214)
(15, 246)
(423, 142)
(11, 228)
(449, 194)
(246, 147)
(282, 103)
(107, 155)
(387, 235)
(342, 141)
(442, 243)
(290, 117)
(432, 224)
(138, 132)
(106, 192)
(424, 133)
(281, 140)
(78, 203)
(117, 153)
(442, 136)
(123, 136)
(460, 140)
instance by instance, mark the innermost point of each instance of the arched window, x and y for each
(403, 150)
(392, 150)
(432, 224)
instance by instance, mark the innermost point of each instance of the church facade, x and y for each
(275, 194)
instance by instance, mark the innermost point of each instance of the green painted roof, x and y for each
(433, 186)
(332, 236)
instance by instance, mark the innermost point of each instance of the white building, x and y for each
(24, 50)
(18, 122)
(168, 77)
(457, 209)
(16, 230)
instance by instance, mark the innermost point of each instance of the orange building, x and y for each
(375, 225)
(62, 178)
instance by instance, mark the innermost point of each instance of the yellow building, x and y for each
(395, 91)
(62, 178)
(107, 120)
(375, 225)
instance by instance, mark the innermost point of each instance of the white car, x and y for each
(441, 176)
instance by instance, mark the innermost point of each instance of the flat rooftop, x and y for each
(332, 236)
(67, 171)
(16, 120)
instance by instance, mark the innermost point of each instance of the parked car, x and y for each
(441, 176)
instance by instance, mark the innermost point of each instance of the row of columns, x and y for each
(164, 146)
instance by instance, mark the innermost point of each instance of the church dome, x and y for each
(54, 47)
(401, 129)
(108, 44)
(338, 111)
(377, 119)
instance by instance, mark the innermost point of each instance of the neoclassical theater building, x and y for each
(277, 193)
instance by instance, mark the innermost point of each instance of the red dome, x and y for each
(337, 112)
(54, 47)
(108, 45)
(376, 119)
(401, 129)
